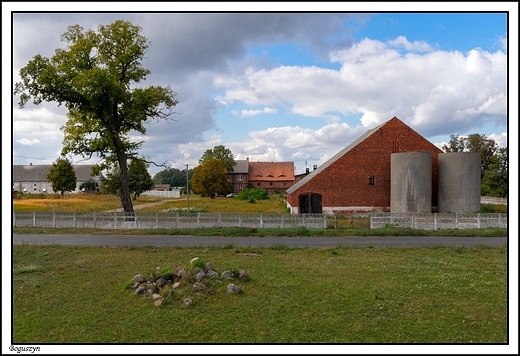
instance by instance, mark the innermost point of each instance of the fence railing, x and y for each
(175, 193)
(118, 220)
(438, 221)
(493, 200)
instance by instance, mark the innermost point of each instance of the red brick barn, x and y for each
(357, 179)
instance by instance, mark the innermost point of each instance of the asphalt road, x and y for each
(187, 241)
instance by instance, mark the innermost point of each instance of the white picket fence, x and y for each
(493, 200)
(174, 193)
(438, 221)
(137, 220)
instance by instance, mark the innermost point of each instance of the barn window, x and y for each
(371, 180)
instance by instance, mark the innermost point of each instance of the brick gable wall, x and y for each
(345, 183)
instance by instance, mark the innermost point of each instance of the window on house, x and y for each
(270, 183)
(240, 187)
(258, 184)
(228, 178)
(240, 178)
(371, 180)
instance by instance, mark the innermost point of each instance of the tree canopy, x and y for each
(139, 180)
(222, 153)
(94, 77)
(62, 176)
(210, 178)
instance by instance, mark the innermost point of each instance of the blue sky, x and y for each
(290, 86)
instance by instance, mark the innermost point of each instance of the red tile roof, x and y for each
(271, 171)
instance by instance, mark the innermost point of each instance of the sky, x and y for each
(273, 86)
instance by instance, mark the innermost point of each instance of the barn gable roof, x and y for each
(38, 173)
(338, 155)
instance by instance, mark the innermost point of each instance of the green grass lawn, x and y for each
(67, 294)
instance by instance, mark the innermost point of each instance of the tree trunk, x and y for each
(126, 200)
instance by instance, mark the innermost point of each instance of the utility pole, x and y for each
(187, 187)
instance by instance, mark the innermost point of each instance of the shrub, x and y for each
(253, 194)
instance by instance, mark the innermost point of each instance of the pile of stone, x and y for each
(161, 284)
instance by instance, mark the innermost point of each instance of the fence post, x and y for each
(177, 220)
(74, 218)
(435, 221)
(324, 221)
(198, 222)
(115, 220)
(456, 221)
(478, 220)
(95, 226)
(156, 220)
(54, 218)
(219, 221)
(14, 218)
(34, 218)
(240, 219)
(499, 219)
(261, 221)
(303, 220)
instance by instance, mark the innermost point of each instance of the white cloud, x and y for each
(27, 142)
(430, 91)
(416, 46)
(251, 113)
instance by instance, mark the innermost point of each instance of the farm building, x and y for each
(358, 178)
(271, 176)
(240, 175)
(33, 178)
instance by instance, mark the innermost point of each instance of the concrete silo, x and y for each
(411, 182)
(459, 182)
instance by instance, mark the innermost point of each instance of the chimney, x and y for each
(315, 167)
(307, 170)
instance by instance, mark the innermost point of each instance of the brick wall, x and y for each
(345, 183)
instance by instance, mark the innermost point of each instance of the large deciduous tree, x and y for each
(495, 181)
(62, 176)
(222, 153)
(94, 77)
(139, 180)
(210, 178)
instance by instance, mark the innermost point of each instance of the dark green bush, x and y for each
(253, 194)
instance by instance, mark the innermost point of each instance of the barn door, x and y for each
(310, 203)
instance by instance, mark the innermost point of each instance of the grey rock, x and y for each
(212, 274)
(139, 278)
(200, 276)
(140, 290)
(209, 266)
(226, 275)
(233, 289)
(156, 296)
